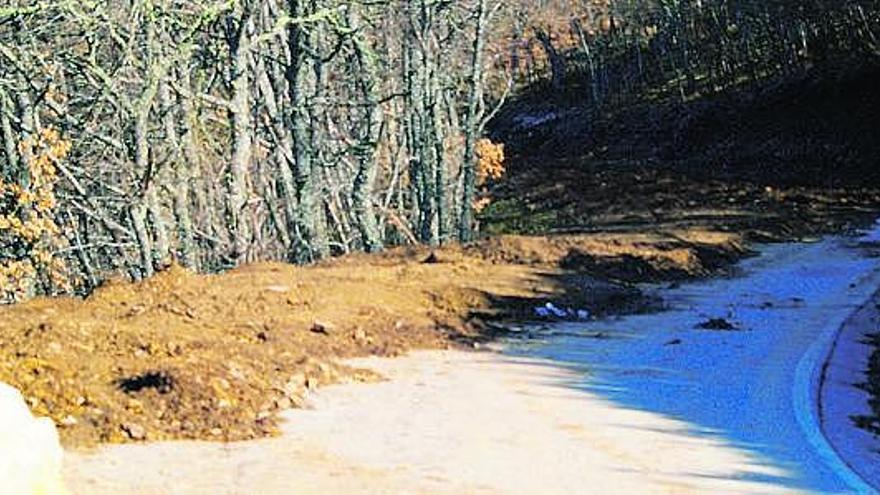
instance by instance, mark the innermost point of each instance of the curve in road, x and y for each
(755, 387)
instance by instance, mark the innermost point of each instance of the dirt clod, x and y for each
(158, 380)
(322, 327)
(720, 324)
(134, 431)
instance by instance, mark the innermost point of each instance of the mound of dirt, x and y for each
(637, 257)
(187, 356)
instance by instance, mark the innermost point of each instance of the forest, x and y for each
(139, 133)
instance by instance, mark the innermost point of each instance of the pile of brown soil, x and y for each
(216, 356)
(633, 257)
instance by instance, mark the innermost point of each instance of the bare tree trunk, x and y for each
(138, 214)
(472, 118)
(557, 64)
(362, 191)
(308, 246)
(161, 244)
(199, 192)
(9, 138)
(139, 206)
(240, 108)
(181, 167)
(422, 145)
(441, 185)
(591, 63)
(323, 189)
(30, 126)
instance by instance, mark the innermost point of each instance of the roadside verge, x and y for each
(840, 400)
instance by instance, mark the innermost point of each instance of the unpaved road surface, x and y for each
(754, 386)
(642, 404)
(445, 422)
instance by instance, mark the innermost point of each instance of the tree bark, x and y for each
(472, 118)
(9, 139)
(308, 245)
(240, 109)
(362, 190)
(181, 167)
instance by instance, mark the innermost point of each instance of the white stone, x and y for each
(30, 453)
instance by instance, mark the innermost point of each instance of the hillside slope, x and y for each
(791, 158)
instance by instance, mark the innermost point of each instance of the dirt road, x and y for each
(752, 377)
(445, 422)
(642, 404)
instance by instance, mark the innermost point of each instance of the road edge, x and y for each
(839, 398)
(806, 394)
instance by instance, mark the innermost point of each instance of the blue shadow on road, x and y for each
(732, 384)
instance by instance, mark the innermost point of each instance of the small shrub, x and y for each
(490, 167)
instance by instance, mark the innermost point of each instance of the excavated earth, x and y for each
(189, 356)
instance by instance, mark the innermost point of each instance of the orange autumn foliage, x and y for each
(490, 167)
(28, 232)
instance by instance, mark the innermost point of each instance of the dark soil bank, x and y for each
(792, 158)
